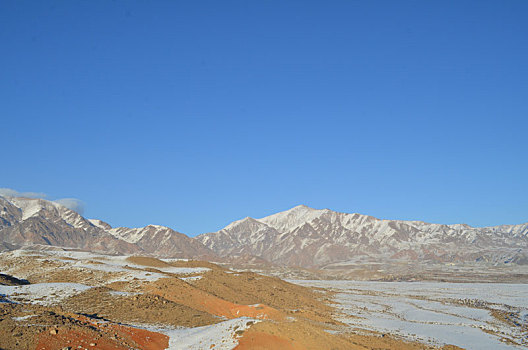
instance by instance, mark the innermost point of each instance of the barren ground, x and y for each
(77, 300)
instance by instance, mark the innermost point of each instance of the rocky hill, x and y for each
(300, 237)
(27, 221)
(308, 237)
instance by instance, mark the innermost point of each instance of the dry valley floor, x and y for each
(59, 299)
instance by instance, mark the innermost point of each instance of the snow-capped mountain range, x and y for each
(301, 236)
(308, 237)
(26, 221)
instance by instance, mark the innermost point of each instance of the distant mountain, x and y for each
(308, 237)
(301, 236)
(163, 241)
(26, 221)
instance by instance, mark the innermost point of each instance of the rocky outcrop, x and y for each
(308, 237)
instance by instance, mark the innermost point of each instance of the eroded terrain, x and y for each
(469, 315)
(60, 299)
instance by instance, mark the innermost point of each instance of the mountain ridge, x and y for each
(299, 237)
(308, 237)
(30, 221)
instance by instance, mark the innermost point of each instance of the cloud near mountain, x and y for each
(301, 236)
(74, 204)
(9, 192)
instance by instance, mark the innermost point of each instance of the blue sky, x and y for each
(193, 114)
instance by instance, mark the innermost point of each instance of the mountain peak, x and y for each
(302, 207)
(304, 236)
(159, 227)
(243, 222)
(291, 218)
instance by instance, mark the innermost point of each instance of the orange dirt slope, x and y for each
(183, 293)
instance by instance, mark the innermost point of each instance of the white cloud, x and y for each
(9, 192)
(72, 203)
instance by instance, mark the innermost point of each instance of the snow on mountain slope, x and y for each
(26, 221)
(31, 207)
(131, 235)
(308, 237)
(301, 236)
(100, 223)
(162, 241)
(287, 220)
(9, 213)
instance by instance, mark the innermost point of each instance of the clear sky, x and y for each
(193, 114)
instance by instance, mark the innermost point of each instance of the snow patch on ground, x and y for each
(220, 336)
(122, 294)
(128, 272)
(43, 293)
(22, 318)
(193, 278)
(173, 260)
(433, 312)
(117, 264)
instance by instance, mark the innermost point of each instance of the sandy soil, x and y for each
(101, 302)
(299, 335)
(134, 291)
(36, 327)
